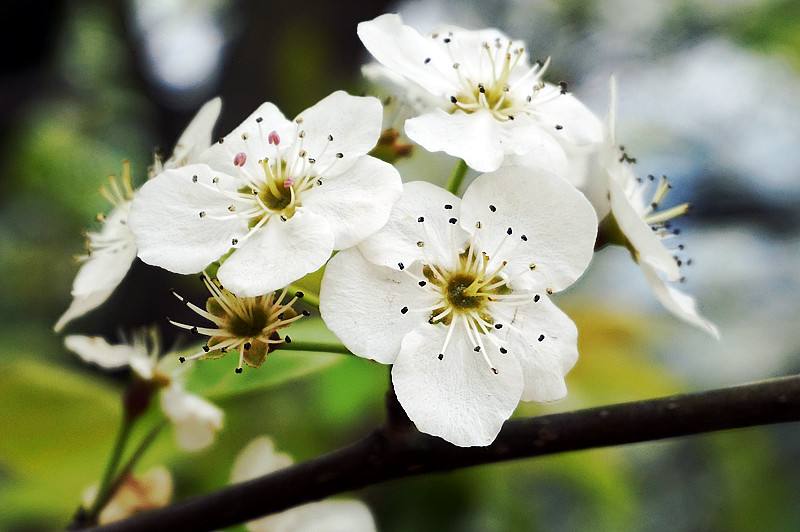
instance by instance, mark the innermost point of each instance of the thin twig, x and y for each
(388, 454)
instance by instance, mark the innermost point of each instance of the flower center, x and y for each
(249, 325)
(491, 85)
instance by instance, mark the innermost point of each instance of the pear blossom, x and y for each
(195, 420)
(281, 195)
(454, 293)
(259, 458)
(636, 220)
(486, 101)
(137, 493)
(249, 325)
(111, 251)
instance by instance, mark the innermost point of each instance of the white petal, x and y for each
(251, 137)
(324, 516)
(165, 217)
(457, 398)
(559, 223)
(279, 254)
(648, 245)
(95, 350)
(106, 268)
(196, 420)
(677, 302)
(81, 305)
(354, 122)
(196, 138)
(402, 49)
(474, 137)
(398, 240)
(544, 362)
(530, 145)
(259, 457)
(579, 126)
(361, 303)
(357, 202)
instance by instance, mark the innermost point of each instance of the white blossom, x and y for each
(486, 100)
(195, 420)
(635, 218)
(282, 195)
(111, 251)
(455, 294)
(259, 458)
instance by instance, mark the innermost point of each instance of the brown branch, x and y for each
(387, 454)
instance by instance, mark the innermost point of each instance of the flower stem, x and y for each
(309, 297)
(457, 177)
(111, 466)
(319, 347)
(126, 469)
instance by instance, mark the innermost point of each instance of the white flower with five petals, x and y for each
(196, 420)
(454, 293)
(281, 194)
(634, 218)
(111, 251)
(489, 101)
(260, 457)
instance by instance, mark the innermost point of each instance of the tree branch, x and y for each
(387, 454)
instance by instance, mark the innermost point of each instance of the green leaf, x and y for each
(216, 379)
(57, 430)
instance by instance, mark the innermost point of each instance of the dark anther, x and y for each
(492, 208)
(421, 219)
(194, 330)
(559, 127)
(194, 179)
(481, 88)
(536, 298)
(401, 266)
(181, 359)
(477, 349)
(503, 350)
(221, 140)
(441, 356)
(247, 346)
(330, 138)
(287, 339)
(494, 370)
(234, 241)
(259, 119)
(447, 40)
(452, 220)
(524, 238)
(511, 117)
(509, 231)
(202, 214)
(427, 60)
(339, 155)
(206, 348)
(563, 85)
(541, 337)
(498, 326)
(453, 99)
(448, 206)
(299, 294)
(422, 283)
(306, 313)
(238, 370)
(403, 310)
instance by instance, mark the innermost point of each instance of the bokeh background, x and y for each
(709, 95)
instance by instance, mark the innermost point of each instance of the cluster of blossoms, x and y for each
(453, 292)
